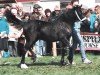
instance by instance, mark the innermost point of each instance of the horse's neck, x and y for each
(56, 20)
(72, 14)
(67, 18)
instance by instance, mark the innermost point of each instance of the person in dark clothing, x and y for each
(4, 31)
(55, 13)
(77, 39)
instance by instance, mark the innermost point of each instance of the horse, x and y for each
(48, 31)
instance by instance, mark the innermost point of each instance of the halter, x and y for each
(79, 17)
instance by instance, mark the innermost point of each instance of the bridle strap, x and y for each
(79, 17)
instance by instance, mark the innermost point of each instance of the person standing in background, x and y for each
(20, 11)
(4, 31)
(14, 34)
(55, 13)
(47, 14)
(97, 22)
(53, 17)
(40, 45)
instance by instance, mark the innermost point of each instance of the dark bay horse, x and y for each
(48, 31)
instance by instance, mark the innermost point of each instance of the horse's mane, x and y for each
(12, 18)
(61, 18)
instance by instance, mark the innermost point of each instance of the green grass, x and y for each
(50, 66)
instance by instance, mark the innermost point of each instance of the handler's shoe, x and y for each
(73, 63)
(87, 61)
(70, 61)
(23, 66)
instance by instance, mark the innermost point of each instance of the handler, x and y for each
(77, 39)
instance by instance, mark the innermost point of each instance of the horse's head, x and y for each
(78, 13)
(74, 14)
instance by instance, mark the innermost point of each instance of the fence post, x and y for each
(54, 49)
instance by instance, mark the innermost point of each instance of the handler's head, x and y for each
(75, 2)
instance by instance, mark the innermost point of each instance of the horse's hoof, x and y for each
(33, 58)
(63, 63)
(23, 66)
(70, 60)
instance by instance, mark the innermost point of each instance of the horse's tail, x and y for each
(12, 18)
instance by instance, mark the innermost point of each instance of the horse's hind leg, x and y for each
(28, 46)
(63, 52)
(32, 55)
(62, 57)
(65, 44)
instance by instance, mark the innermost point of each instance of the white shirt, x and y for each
(14, 33)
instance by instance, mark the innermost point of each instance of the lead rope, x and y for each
(79, 17)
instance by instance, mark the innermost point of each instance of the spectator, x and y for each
(4, 31)
(68, 7)
(77, 39)
(48, 44)
(26, 17)
(14, 34)
(20, 12)
(85, 26)
(37, 14)
(47, 14)
(97, 22)
(7, 7)
(92, 21)
(17, 10)
(55, 13)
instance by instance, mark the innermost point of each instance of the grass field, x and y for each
(50, 66)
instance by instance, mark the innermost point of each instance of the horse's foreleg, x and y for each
(63, 51)
(32, 54)
(71, 54)
(25, 49)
